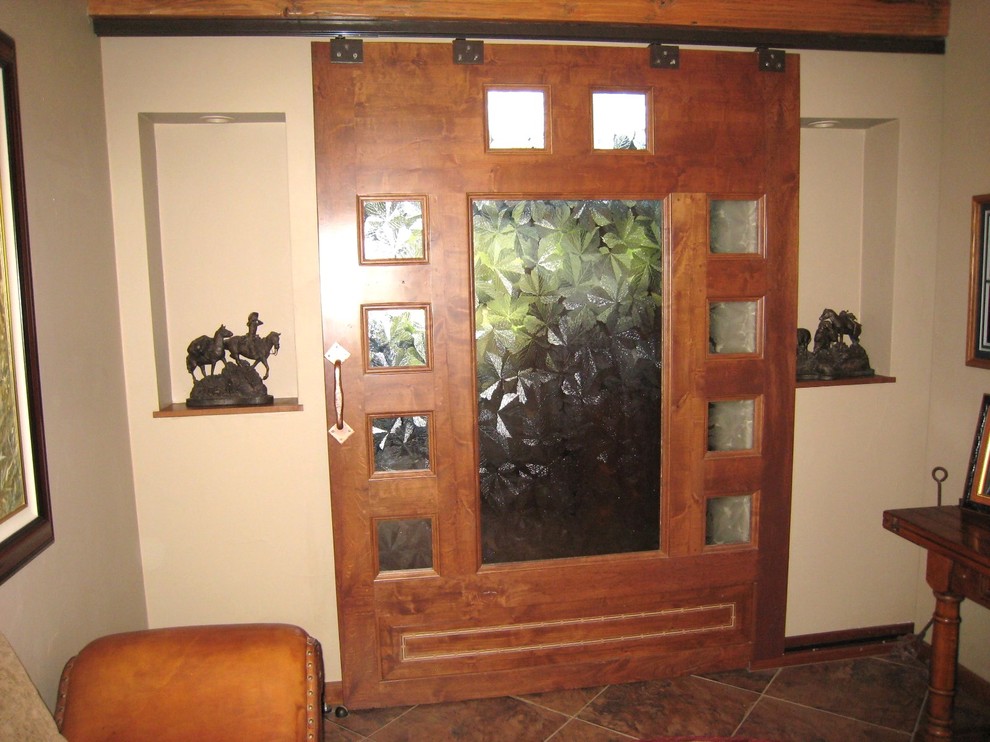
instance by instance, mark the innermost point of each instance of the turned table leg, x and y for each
(942, 673)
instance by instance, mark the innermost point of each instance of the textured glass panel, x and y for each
(516, 119)
(396, 337)
(735, 226)
(619, 120)
(392, 230)
(728, 520)
(401, 443)
(405, 544)
(730, 425)
(732, 327)
(568, 327)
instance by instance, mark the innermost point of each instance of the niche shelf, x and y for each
(218, 241)
(848, 218)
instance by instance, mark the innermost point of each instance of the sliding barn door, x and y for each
(559, 312)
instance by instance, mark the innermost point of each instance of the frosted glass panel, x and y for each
(401, 443)
(396, 337)
(728, 520)
(405, 544)
(392, 230)
(568, 343)
(516, 119)
(731, 424)
(735, 226)
(732, 327)
(619, 120)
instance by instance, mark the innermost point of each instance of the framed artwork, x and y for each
(25, 508)
(978, 335)
(977, 494)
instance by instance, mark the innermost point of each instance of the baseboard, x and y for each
(839, 645)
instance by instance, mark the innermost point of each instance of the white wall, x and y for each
(234, 510)
(89, 582)
(957, 389)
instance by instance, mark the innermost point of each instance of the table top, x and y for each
(963, 537)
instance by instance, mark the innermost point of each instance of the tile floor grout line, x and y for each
(390, 722)
(839, 716)
(735, 732)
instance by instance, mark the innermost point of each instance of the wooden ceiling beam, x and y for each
(883, 25)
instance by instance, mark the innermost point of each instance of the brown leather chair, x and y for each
(242, 683)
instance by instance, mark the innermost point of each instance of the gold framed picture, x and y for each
(25, 508)
(977, 494)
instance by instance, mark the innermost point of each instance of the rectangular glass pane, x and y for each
(392, 229)
(732, 327)
(401, 443)
(734, 226)
(728, 520)
(397, 337)
(731, 424)
(568, 343)
(405, 544)
(619, 120)
(516, 119)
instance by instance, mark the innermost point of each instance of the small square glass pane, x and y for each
(516, 119)
(405, 544)
(731, 424)
(401, 443)
(734, 227)
(732, 327)
(619, 120)
(392, 230)
(397, 337)
(728, 520)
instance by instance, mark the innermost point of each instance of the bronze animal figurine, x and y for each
(845, 323)
(206, 351)
(254, 347)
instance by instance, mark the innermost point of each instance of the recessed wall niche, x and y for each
(848, 218)
(217, 221)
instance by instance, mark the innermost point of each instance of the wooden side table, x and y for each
(958, 567)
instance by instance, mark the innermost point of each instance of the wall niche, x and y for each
(217, 223)
(848, 218)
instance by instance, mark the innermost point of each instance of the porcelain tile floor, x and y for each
(868, 699)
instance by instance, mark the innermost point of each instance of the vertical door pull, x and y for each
(337, 355)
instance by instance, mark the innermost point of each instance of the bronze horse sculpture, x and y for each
(844, 322)
(254, 347)
(206, 351)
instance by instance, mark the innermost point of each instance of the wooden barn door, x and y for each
(559, 311)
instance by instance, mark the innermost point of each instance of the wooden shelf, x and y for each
(281, 404)
(849, 382)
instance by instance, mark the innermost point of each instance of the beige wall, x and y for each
(861, 449)
(234, 510)
(957, 389)
(89, 582)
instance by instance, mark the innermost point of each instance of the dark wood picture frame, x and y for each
(976, 497)
(978, 330)
(25, 506)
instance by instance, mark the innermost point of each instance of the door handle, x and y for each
(337, 354)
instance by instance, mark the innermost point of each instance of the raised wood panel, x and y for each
(905, 18)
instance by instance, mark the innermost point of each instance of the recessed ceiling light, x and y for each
(824, 124)
(216, 118)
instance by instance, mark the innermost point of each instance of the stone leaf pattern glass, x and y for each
(732, 327)
(730, 425)
(393, 230)
(734, 226)
(568, 342)
(405, 544)
(728, 520)
(619, 120)
(401, 443)
(396, 337)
